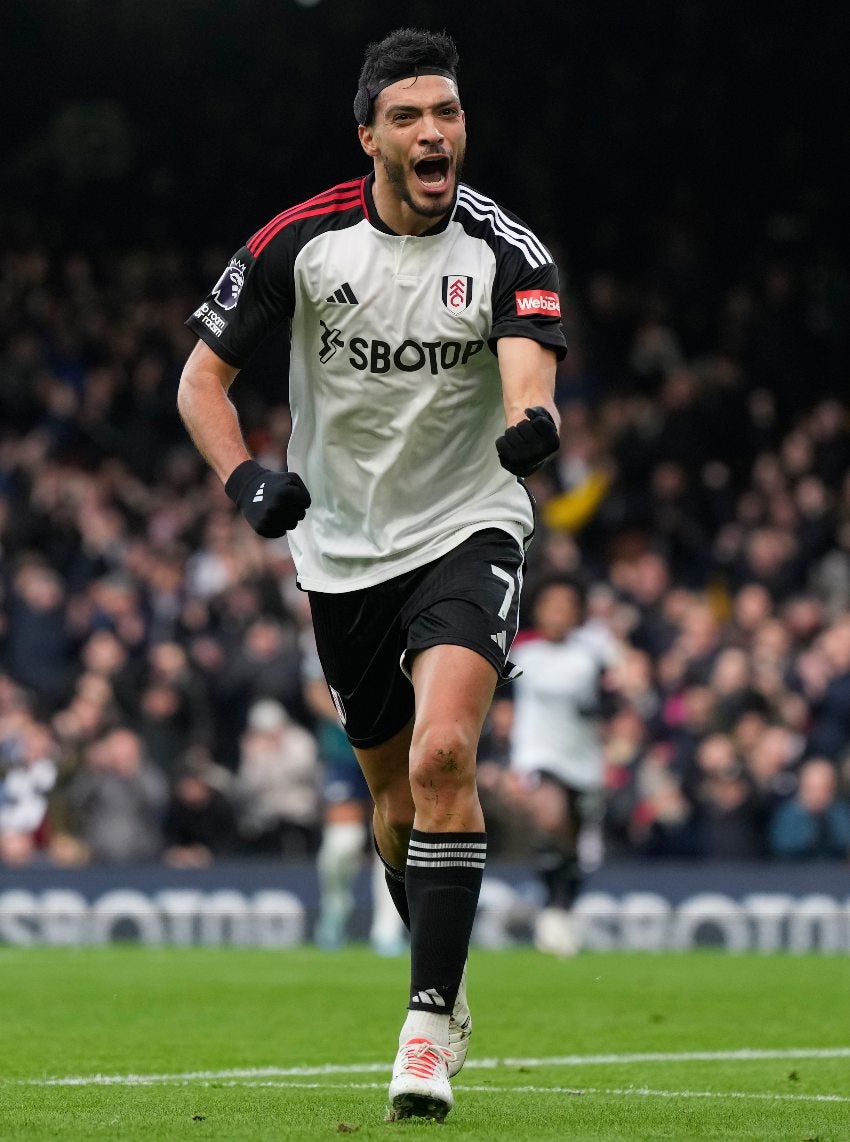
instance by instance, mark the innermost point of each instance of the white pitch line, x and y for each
(199, 1076)
(747, 1054)
(618, 1092)
(643, 1092)
(647, 1092)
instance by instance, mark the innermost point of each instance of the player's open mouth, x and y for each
(433, 173)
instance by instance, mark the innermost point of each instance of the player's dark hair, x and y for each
(404, 52)
(559, 579)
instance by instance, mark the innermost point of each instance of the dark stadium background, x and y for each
(682, 145)
(682, 151)
(188, 122)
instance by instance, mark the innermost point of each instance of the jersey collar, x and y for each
(375, 219)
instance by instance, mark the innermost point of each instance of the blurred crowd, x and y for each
(152, 648)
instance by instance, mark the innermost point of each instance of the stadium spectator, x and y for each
(173, 712)
(118, 798)
(265, 662)
(28, 770)
(37, 645)
(771, 755)
(726, 822)
(277, 786)
(653, 816)
(730, 682)
(200, 822)
(751, 607)
(830, 697)
(814, 825)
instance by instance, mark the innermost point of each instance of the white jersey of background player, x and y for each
(556, 711)
(556, 746)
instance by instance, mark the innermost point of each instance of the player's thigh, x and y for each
(360, 639)
(454, 687)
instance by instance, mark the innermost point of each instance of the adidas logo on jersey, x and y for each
(258, 495)
(343, 296)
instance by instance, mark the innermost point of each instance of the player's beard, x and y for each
(397, 177)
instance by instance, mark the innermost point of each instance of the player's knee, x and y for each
(442, 757)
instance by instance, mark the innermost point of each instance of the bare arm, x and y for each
(272, 502)
(528, 377)
(207, 411)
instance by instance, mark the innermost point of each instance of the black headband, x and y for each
(364, 100)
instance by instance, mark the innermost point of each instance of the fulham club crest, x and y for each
(457, 292)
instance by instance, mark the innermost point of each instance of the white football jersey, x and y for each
(394, 385)
(556, 705)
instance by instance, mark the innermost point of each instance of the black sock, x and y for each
(560, 873)
(443, 878)
(395, 884)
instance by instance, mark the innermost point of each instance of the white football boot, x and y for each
(556, 933)
(460, 1028)
(420, 1086)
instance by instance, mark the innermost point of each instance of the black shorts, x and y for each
(468, 597)
(584, 806)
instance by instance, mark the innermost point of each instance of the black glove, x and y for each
(272, 502)
(527, 445)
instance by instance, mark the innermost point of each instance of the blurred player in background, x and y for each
(425, 330)
(347, 813)
(556, 747)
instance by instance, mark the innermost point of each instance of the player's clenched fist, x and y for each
(525, 446)
(272, 502)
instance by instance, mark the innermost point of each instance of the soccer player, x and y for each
(425, 329)
(556, 746)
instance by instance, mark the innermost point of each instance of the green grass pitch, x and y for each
(134, 1043)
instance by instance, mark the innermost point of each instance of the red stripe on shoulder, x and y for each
(350, 192)
(320, 208)
(331, 207)
(333, 192)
